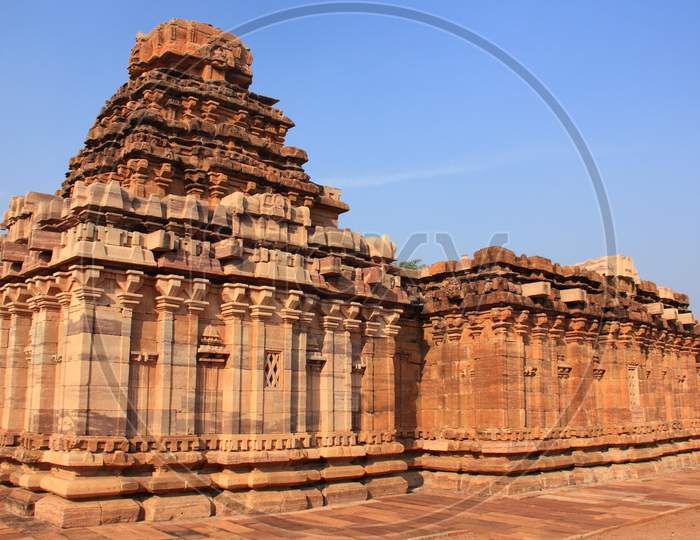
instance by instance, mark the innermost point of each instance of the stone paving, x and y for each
(570, 512)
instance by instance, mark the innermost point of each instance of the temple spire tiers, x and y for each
(185, 328)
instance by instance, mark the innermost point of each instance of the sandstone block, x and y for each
(66, 514)
(21, 502)
(169, 507)
(266, 502)
(342, 472)
(387, 466)
(88, 487)
(228, 479)
(572, 296)
(655, 308)
(537, 289)
(386, 486)
(686, 319)
(669, 314)
(345, 492)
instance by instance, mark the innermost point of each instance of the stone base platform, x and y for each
(484, 485)
(65, 513)
(609, 510)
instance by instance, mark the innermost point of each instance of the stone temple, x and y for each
(185, 330)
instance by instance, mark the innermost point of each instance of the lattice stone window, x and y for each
(273, 367)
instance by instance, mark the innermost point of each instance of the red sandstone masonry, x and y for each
(184, 329)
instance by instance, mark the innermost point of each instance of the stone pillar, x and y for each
(669, 374)
(679, 378)
(456, 361)
(185, 358)
(578, 382)
(523, 383)
(591, 373)
(167, 304)
(128, 300)
(655, 359)
(378, 389)
(5, 319)
(43, 357)
(609, 385)
(16, 366)
(233, 311)
(65, 299)
(507, 361)
(80, 344)
(352, 327)
(646, 383)
(332, 392)
(693, 346)
(631, 362)
(290, 354)
(387, 386)
(690, 354)
(261, 309)
(538, 368)
(300, 381)
(561, 369)
(476, 328)
(368, 391)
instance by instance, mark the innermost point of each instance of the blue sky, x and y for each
(423, 132)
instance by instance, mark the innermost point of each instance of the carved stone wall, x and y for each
(184, 325)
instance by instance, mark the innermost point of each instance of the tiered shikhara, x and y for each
(185, 329)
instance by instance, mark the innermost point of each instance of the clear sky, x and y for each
(423, 132)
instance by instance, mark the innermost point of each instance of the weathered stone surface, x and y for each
(169, 507)
(267, 502)
(386, 486)
(22, 502)
(344, 492)
(67, 514)
(185, 313)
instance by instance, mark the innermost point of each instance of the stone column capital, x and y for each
(392, 330)
(290, 316)
(306, 318)
(260, 313)
(233, 310)
(65, 299)
(196, 306)
(331, 323)
(352, 326)
(44, 302)
(168, 303)
(372, 329)
(128, 301)
(169, 286)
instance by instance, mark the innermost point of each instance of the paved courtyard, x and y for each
(633, 508)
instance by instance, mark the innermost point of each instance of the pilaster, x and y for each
(42, 356)
(83, 335)
(185, 366)
(167, 304)
(261, 309)
(233, 310)
(331, 384)
(16, 367)
(128, 298)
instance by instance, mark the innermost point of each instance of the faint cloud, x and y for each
(469, 164)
